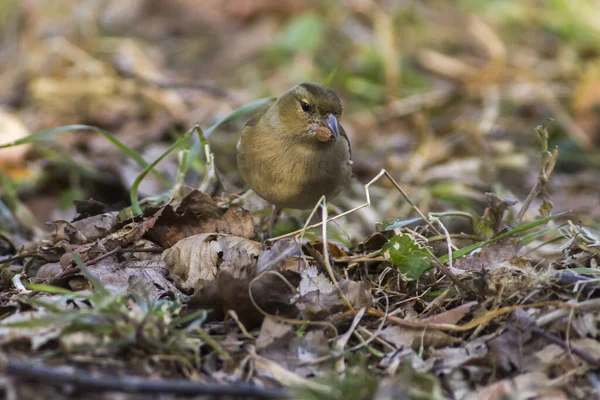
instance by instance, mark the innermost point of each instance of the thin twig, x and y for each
(56, 376)
(22, 257)
(102, 257)
(381, 173)
(326, 256)
(472, 324)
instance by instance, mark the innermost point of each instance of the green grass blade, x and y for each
(66, 128)
(200, 315)
(98, 285)
(397, 223)
(181, 172)
(237, 113)
(40, 287)
(135, 202)
(531, 237)
(36, 303)
(240, 112)
(465, 250)
(32, 323)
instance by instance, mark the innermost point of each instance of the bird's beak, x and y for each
(331, 123)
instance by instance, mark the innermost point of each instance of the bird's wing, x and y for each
(248, 129)
(254, 120)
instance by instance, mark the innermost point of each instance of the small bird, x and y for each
(296, 151)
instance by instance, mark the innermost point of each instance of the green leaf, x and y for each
(410, 257)
(465, 250)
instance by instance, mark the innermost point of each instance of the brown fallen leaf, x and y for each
(449, 359)
(270, 293)
(91, 228)
(198, 213)
(451, 316)
(145, 278)
(271, 331)
(218, 269)
(357, 293)
(489, 257)
(277, 257)
(319, 298)
(47, 272)
(197, 259)
(511, 348)
(278, 342)
(525, 386)
(85, 252)
(404, 337)
(336, 249)
(273, 370)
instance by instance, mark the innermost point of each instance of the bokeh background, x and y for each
(445, 95)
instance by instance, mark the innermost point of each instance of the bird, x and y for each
(296, 151)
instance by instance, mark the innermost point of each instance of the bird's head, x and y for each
(312, 111)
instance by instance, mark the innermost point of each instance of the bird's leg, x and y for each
(275, 212)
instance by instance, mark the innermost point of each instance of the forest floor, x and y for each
(132, 257)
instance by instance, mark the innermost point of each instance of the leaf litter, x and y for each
(489, 298)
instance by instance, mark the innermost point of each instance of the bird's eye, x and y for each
(305, 106)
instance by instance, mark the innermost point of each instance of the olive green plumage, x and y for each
(296, 151)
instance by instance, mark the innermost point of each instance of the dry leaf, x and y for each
(276, 257)
(449, 358)
(416, 338)
(357, 293)
(197, 214)
(271, 331)
(197, 259)
(145, 278)
(269, 292)
(522, 387)
(94, 227)
(451, 316)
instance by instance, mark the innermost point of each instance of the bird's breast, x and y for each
(296, 176)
